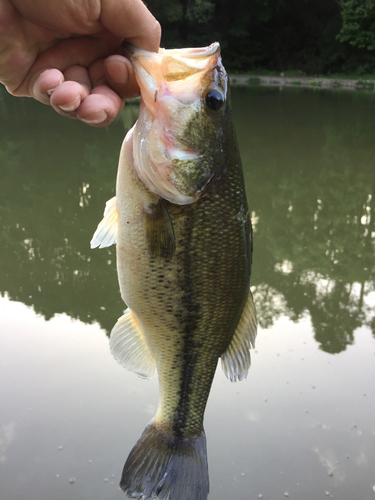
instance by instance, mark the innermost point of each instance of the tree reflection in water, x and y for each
(308, 160)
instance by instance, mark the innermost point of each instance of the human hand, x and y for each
(67, 53)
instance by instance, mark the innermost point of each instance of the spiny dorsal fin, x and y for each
(106, 232)
(160, 235)
(129, 348)
(235, 360)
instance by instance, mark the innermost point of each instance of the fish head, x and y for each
(179, 135)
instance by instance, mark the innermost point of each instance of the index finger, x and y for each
(131, 20)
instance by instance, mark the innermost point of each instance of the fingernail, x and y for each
(96, 118)
(50, 91)
(70, 106)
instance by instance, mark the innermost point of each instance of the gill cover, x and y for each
(177, 135)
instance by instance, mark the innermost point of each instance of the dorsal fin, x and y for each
(235, 360)
(106, 232)
(129, 348)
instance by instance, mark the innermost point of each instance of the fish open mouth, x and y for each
(193, 53)
(170, 65)
(130, 51)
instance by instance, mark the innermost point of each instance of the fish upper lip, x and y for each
(194, 53)
(129, 50)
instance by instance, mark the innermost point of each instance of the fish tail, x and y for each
(165, 466)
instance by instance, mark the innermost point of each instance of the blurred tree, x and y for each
(358, 28)
(313, 36)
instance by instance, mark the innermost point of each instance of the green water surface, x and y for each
(303, 424)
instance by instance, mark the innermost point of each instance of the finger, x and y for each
(44, 83)
(131, 20)
(102, 106)
(119, 74)
(63, 55)
(67, 97)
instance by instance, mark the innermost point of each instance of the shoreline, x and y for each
(302, 81)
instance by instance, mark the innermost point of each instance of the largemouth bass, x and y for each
(181, 224)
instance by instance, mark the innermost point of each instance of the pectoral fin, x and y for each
(129, 348)
(235, 360)
(160, 235)
(106, 232)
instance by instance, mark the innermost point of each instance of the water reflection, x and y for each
(309, 168)
(54, 176)
(308, 160)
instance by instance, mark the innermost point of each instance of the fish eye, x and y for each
(214, 100)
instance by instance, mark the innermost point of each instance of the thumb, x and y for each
(132, 21)
(119, 74)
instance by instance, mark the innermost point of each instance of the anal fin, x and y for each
(160, 235)
(235, 360)
(129, 347)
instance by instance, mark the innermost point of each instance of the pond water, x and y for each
(303, 424)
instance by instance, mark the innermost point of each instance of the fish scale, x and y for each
(184, 251)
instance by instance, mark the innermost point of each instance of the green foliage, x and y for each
(200, 11)
(358, 28)
(168, 11)
(314, 36)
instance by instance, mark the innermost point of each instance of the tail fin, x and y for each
(164, 466)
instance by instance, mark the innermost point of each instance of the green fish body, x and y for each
(181, 224)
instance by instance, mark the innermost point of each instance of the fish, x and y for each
(184, 245)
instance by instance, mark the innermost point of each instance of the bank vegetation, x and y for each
(314, 37)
